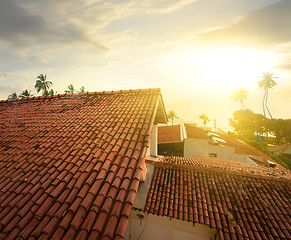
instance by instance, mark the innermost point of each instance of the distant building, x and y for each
(188, 140)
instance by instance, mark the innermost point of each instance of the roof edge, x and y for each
(80, 94)
(221, 170)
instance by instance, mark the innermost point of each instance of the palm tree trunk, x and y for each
(267, 105)
(242, 103)
(264, 104)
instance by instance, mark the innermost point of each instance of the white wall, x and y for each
(202, 147)
(193, 147)
(153, 147)
(154, 227)
(222, 151)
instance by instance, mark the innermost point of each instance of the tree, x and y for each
(42, 84)
(281, 128)
(172, 115)
(13, 96)
(82, 89)
(71, 89)
(239, 96)
(247, 123)
(205, 119)
(51, 92)
(267, 82)
(25, 93)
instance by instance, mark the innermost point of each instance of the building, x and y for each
(213, 198)
(70, 165)
(85, 166)
(188, 140)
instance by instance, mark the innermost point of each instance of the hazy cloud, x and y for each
(165, 6)
(30, 25)
(285, 66)
(3, 75)
(269, 25)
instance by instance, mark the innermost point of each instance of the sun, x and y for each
(223, 69)
(232, 68)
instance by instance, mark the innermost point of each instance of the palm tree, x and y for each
(239, 96)
(71, 89)
(82, 89)
(42, 84)
(51, 92)
(267, 82)
(205, 119)
(25, 93)
(12, 96)
(172, 115)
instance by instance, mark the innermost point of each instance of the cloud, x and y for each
(3, 75)
(284, 66)
(166, 6)
(34, 25)
(268, 26)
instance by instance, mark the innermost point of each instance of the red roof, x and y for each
(195, 132)
(241, 147)
(70, 164)
(240, 205)
(167, 134)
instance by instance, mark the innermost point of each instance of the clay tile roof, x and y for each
(240, 205)
(167, 134)
(241, 147)
(195, 132)
(70, 164)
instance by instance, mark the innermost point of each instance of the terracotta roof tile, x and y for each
(241, 147)
(195, 132)
(242, 204)
(70, 164)
(168, 134)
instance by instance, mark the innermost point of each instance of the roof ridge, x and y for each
(222, 170)
(144, 90)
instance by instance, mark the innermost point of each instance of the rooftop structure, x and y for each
(70, 165)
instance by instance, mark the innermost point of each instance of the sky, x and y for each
(197, 51)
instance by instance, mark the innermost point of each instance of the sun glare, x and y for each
(229, 68)
(223, 69)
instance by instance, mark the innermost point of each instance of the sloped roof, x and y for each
(240, 205)
(70, 164)
(167, 134)
(241, 147)
(195, 132)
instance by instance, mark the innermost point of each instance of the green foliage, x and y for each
(13, 96)
(262, 146)
(267, 82)
(246, 122)
(71, 89)
(42, 84)
(25, 93)
(82, 89)
(205, 119)
(239, 96)
(172, 115)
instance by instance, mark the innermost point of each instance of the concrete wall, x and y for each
(153, 146)
(222, 151)
(153, 227)
(202, 147)
(193, 147)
